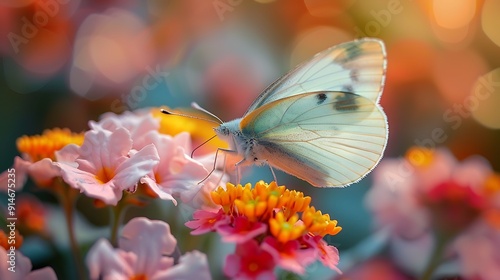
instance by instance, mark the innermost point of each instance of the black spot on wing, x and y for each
(350, 52)
(346, 102)
(354, 75)
(353, 51)
(348, 88)
(321, 98)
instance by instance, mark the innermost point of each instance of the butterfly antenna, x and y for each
(198, 107)
(167, 112)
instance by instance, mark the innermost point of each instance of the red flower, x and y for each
(242, 230)
(289, 255)
(454, 206)
(249, 262)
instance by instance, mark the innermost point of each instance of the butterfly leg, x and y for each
(274, 175)
(215, 162)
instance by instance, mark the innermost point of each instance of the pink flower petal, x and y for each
(102, 259)
(394, 199)
(206, 221)
(46, 273)
(249, 262)
(137, 123)
(19, 170)
(162, 194)
(148, 240)
(104, 150)
(328, 255)
(22, 267)
(177, 174)
(289, 256)
(68, 154)
(241, 230)
(143, 249)
(192, 265)
(44, 171)
(87, 183)
(472, 172)
(477, 250)
(137, 166)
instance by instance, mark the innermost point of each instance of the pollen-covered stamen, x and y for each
(293, 202)
(38, 147)
(226, 197)
(286, 229)
(249, 206)
(318, 223)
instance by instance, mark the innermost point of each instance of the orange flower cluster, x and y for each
(271, 225)
(276, 206)
(38, 147)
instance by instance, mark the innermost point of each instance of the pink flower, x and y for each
(19, 170)
(241, 230)
(206, 221)
(42, 172)
(429, 194)
(376, 269)
(21, 268)
(176, 172)
(144, 249)
(404, 190)
(200, 196)
(105, 168)
(478, 252)
(37, 155)
(249, 262)
(453, 206)
(289, 255)
(137, 123)
(328, 255)
(396, 203)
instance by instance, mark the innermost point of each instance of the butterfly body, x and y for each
(242, 144)
(321, 122)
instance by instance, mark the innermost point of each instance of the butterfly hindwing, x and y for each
(326, 138)
(358, 67)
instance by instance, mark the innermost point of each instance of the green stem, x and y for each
(67, 199)
(118, 213)
(436, 257)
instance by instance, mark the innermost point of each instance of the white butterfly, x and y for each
(322, 121)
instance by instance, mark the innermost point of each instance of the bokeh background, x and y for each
(65, 62)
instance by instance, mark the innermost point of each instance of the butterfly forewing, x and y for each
(358, 67)
(326, 138)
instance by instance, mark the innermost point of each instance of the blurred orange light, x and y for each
(452, 36)
(490, 20)
(327, 8)
(486, 96)
(314, 40)
(455, 73)
(453, 14)
(402, 53)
